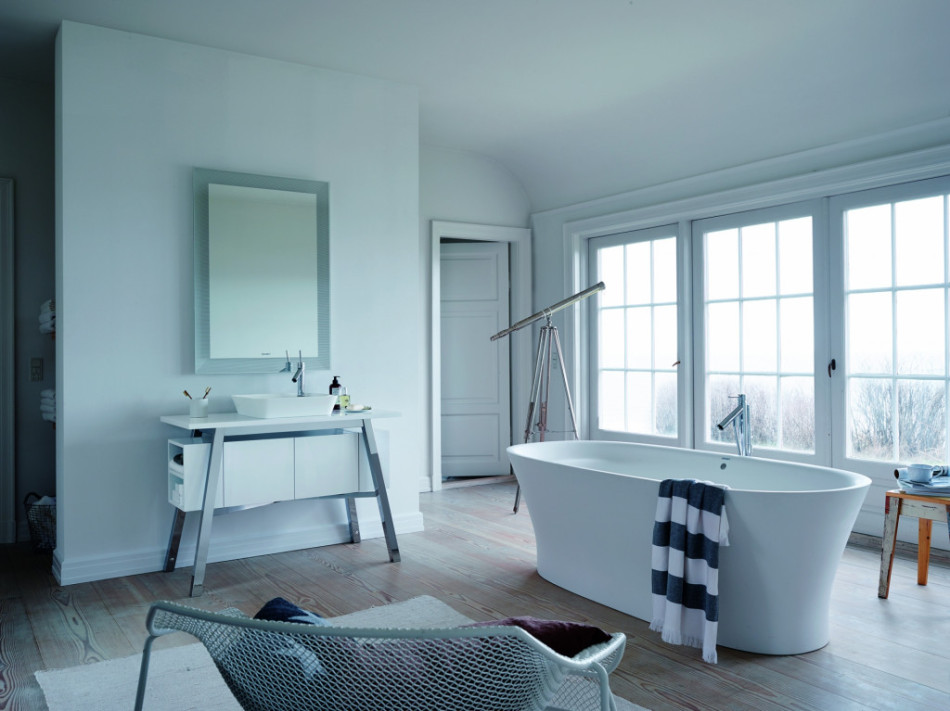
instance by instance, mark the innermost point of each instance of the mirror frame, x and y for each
(204, 363)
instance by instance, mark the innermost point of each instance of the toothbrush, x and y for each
(187, 395)
(207, 390)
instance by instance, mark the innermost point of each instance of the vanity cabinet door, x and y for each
(326, 465)
(258, 471)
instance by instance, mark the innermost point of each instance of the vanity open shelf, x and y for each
(249, 461)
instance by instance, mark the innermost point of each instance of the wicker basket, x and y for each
(42, 521)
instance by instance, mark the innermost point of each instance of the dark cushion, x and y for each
(281, 610)
(567, 638)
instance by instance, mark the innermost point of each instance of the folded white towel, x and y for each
(48, 409)
(49, 417)
(46, 317)
(48, 305)
(48, 327)
(48, 392)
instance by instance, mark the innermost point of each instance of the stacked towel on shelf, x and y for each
(48, 317)
(690, 527)
(48, 405)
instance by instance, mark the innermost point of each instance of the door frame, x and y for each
(519, 267)
(7, 433)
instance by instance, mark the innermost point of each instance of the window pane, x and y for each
(921, 414)
(796, 317)
(758, 260)
(664, 337)
(798, 407)
(869, 333)
(639, 402)
(664, 270)
(722, 337)
(722, 265)
(610, 271)
(611, 339)
(638, 271)
(795, 262)
(920, 332)
(610, 397)
(762, 397)
(666, 404)
(868, 247)
(919, 241)
(870, 419)
(638, 338)
(759, 346)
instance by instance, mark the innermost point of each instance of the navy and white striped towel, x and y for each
(690, 527)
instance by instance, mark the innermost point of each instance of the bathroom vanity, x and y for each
(302, 457)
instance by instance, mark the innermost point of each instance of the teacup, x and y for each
(921, 473)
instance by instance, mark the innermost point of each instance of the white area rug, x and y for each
(185, 679)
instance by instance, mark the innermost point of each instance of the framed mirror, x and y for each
(262, 272)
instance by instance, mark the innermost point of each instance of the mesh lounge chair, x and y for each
(287, 666)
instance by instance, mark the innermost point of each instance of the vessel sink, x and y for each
(270, 405)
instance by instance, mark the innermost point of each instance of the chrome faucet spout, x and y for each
(298, 376)
(730, 418)
(739, 418)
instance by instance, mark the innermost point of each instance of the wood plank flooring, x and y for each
(479, 558)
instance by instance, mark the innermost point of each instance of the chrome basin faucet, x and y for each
(739, 418)
(298, 376)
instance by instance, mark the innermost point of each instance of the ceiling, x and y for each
(579, 99)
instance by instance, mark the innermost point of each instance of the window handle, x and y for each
(831, 366)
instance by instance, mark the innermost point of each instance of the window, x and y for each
(635, 333)
(757, 327)
(895, 291)
(768, 300)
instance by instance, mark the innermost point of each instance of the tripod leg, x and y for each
(567, 390)
(543, 346)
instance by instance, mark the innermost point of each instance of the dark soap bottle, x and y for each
(335, 389)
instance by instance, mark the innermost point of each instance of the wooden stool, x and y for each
(926, 509)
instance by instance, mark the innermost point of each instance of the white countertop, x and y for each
(232, 420)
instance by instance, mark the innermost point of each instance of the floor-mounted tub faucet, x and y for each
(298, 376)
(739, 418)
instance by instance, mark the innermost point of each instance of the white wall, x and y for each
(135, 114)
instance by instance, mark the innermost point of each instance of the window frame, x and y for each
(817, 210)
(838, 205)
(683, 371)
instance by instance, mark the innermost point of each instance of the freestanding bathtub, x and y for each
(592, 505)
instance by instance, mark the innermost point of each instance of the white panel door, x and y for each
(475, 386)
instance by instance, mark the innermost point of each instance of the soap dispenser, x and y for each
(335, 389)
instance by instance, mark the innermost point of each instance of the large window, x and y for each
(758, 327)
(634, 374)
(895, 304)
(831, 316)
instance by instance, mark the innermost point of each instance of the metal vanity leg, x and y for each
(207, 513)
(382, 497)
(352, 518)
(174, 540)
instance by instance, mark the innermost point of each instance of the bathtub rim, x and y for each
(856, 479)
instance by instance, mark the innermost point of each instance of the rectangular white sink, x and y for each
(270, 405)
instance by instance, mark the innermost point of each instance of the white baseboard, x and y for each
(89, 568)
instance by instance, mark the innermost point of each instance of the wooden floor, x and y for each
(479, 557)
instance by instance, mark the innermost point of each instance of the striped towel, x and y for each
(690, 526)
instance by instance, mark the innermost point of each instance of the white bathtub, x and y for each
(592, 505)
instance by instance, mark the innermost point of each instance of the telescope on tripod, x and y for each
(549, 343)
